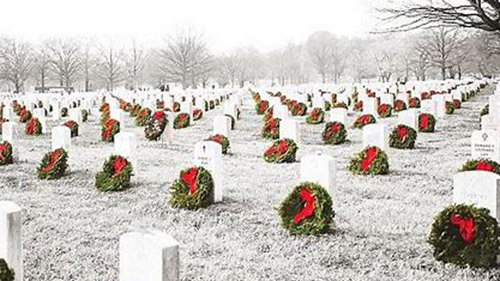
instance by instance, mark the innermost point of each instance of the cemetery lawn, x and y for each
(71, 231)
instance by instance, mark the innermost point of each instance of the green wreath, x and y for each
(197, 114)
(384, 110)
(211, 104)
(450, 108)
(282, 151)
(481, 165)
(414, 102)
(358, 106)
(364, 120)
(261, 107)
(399, 105)
(105, 116)
(271, 129)
(269, 114)
(316, 116)
(181, 121)
(334, 133)
(6, 153)
(53, 165)
(457, 104)
(222, 140)
(340, 105)
(85, 115)
(307, 210)
(403, 137)
(33, 127)
(156, 126)
(328, 106)
(115, 174)
(299, 109)
(73, 126)
(135, 110)
(426, 123)
(24, 115)
(6, 273)
(176, 106)
(465, 235)
(143, 117)
(109, 130)
(193, 189)
(370, 161)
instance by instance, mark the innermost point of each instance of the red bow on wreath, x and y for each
(465, 227)
(402, 132)
(308, 206)
(370, 156)
(120, 164)
(424, 121)
(3, 147)
(54, 156)
(483, 166)
(189, 178)
(158, 115)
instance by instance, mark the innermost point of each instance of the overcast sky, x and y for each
(264, 24)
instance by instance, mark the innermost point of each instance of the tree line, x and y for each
(185, 58)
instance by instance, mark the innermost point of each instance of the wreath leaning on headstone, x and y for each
(53, 165)
(181, 121)
(143, 117)
(222, 140)
(403, 137)
(6, 153)
(307, 210)
(156, 126)
(109, 130)
(115, 174)
(426, 123)
(316, 116)
(370, 161)
(271, 128)
(193, 189)
(282, 151)
(197, 114)
(73, 126)
(481, 165)
(33, 127)
(334, 133)
(465, 235)
(6, 273)
(364, 120)
(261, 106)
(384, 110)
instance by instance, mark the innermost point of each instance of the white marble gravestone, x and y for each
(289, 129)
(320, 169)
(10, 237)
(148, 256)
(481, 188)
(376, 135)
(208, 154)
(61, 138)
(370, 106)
(222, 125)
(338, 115)
(125, 145)
(485, 144)
(409, 118)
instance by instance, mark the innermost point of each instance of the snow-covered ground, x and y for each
(71, 230)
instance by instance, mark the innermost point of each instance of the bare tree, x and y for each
(320, 49)
(65, 60)
(420, 60)
(16, 62)
(185, 58)
(228, 68)
(88, 62)
(478, 14)
(110, 68)
(444, 45)
(485, 53)
(42, 63)
(136, 63)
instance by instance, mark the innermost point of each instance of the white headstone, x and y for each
(222, 125)
(10, 237)
(481, 188)
(126, 146)
(208, 154)
(338, 115)
(409, 118)
(289, 129)
(61, 138)
(319, 169)
(75, 114)
(485, 144)
(370, 106)
(376, 135)
(148, 256)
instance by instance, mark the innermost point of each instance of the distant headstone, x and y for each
(289, 129)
